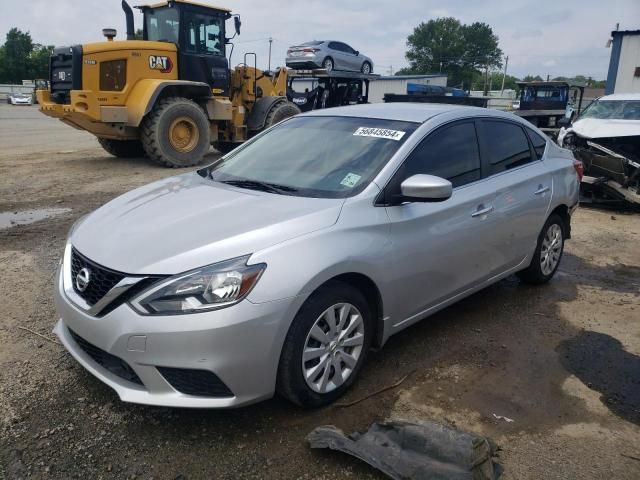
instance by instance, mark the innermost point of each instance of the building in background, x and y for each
(624, 65)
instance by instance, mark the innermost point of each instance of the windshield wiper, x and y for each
(261, 186)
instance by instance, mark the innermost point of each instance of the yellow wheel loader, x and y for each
(170, 95)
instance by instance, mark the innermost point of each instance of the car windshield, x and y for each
(613, 109)
(324, 157)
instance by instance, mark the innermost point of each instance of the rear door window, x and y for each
(538, 141)
(505, 146)
(450, 152)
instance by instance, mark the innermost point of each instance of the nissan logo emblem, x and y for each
(82, 279)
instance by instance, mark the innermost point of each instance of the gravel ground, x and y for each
(561, 360)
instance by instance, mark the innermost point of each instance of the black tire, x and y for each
(155, 133)
(225, 147)
(290, 382)
(122, 148)
(534, 273)
(328, 64)
(281, 111)
(364, 68)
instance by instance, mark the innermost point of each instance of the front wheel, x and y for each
(366, 68)
(548, 254)
(326, 346)
(176, 133)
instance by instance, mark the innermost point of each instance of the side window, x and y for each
(333, 46)
(450, 152)
(203, 34)
(506, 145)
(538, 141)
(348, 49)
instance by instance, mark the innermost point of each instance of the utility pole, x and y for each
(504, 75)
(270, 42)
(486, 80)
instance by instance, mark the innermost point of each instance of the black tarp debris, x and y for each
(415, 450)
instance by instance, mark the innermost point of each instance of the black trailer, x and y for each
(329, 89)
(428, 98)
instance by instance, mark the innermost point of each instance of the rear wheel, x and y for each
(326, 346)
(548, 254)
(225, 147)
(176, 133)
(122, 148)
(327, 64)
(280, 111)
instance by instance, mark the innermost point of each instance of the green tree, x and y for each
(38, 61)
(17, 49)
(448, 46)
(531, 78)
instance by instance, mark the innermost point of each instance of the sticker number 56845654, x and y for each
(379, 133)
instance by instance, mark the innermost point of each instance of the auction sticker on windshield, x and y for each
(350, 180)
(379, 133)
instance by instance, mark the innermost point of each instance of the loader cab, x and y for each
(199, 33)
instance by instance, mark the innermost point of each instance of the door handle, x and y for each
(541, 189)
(482, 211)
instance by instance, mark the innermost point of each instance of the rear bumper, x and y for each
(303, 62)
(240, 345)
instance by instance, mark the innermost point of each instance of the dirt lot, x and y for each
(562, 360)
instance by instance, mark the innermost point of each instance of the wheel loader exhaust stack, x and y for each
(171, 95)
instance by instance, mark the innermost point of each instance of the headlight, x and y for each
(207, 288)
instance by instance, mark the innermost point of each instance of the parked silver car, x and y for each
(328, 54)
(278, 267)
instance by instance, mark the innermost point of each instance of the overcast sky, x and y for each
(555, 37)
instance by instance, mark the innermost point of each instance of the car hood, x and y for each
(185, 222)
(601, 128)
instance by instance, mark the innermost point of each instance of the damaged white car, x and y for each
(606, 138)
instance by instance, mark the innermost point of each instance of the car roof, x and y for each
(621, 96)
(407, 112)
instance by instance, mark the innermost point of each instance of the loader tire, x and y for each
(280, 111)
(122, 148)
(176, 133)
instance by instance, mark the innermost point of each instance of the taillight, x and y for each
(579, 167)
(311, 50)
(289, 52)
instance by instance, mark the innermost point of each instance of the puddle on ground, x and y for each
(25, 217)
(601, 363)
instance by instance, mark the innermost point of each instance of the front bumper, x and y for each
(241, 345)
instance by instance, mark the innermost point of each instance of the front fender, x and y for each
(146, 93)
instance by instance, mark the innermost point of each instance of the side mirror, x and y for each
(564, 122)
(426, 188)
(357, 52)
(237, 23)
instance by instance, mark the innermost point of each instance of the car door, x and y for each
(336, 53)
(523, 185)
(351, 58)
(441, 249)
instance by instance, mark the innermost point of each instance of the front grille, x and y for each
(115, 365)
(101, 279)
(201, 383)
(65, 72)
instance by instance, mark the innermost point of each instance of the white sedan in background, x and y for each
(19, 99)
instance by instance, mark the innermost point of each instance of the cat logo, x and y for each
(164, 64)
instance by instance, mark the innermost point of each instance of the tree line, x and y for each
(23, 59)
(470, 55)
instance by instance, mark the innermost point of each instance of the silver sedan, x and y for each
(328, 54)
(279, 266)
